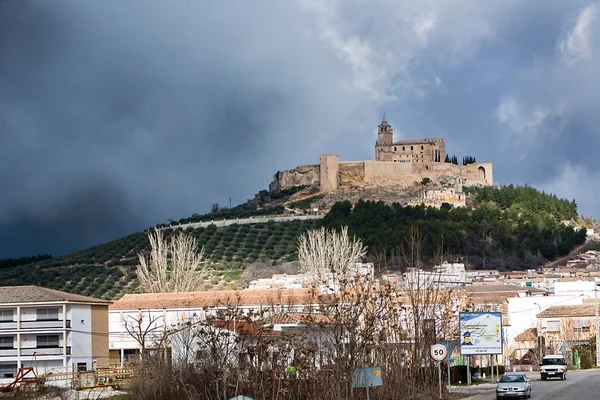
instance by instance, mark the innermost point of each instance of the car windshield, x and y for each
(512, 378)
(552, 361)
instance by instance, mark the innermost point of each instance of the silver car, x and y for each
(514, 384)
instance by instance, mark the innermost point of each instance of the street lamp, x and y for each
(539, 332)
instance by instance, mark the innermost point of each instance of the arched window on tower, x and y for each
(411, 148)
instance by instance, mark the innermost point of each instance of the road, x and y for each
(580, 385)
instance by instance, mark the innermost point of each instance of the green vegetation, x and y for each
(13, 262)
(508, 228)
(505, 235)
(526, 204)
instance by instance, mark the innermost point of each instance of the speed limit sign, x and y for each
(438, 352)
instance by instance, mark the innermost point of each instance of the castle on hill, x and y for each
(398, 165)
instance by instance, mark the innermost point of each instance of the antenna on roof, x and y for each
(383, 116)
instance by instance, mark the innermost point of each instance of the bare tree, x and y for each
(329, 256)
(172, 266)
(147, 330)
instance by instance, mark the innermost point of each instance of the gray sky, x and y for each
(116, 115)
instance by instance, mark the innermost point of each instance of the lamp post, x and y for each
(539, 333)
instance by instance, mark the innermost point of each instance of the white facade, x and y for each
(577, 288)
(46, 336)
(446, 274)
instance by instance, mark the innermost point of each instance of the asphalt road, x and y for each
(580, 385)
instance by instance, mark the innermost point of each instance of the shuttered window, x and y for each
(553, 326)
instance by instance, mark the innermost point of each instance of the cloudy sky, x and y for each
(116, 115)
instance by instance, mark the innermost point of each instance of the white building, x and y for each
(446, 274)
(581, 288)
(156, 314)
(51, 331)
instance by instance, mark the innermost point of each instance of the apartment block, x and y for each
(51, 331)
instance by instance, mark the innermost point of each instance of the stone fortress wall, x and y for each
(399, 165)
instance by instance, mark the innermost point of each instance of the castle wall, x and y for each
(330, 174)
(477, 174)
(381, 173)
(329, 170)
(352, 174)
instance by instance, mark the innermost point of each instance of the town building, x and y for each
(562, 327)
(143, 322)
(51, 331)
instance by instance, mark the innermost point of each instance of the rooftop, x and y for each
(37, 294)
(526, 336)
(500, 288)
(213, 299)
(581, 310)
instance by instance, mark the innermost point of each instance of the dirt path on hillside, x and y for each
(563, 260)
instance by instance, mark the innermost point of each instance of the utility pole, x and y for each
(596, 323)
(539, 334)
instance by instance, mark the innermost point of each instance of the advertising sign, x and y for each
(480, 333)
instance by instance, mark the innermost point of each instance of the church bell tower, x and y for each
(385, 133)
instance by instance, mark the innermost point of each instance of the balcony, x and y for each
(41, 325)
(54, 324)
(39, 351)
(8, 325)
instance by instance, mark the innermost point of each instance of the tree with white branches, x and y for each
(171, 266)
(329, 256)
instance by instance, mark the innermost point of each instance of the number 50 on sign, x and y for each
(438, 352)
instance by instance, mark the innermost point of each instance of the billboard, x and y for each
(480, 333)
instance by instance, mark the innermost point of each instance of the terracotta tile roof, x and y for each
(298, 318)
(213, 298)
(501, 288)
(581, 310)
(527, 335)
(37, 294)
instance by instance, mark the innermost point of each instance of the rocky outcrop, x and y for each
(306, 175)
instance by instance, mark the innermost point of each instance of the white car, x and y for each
(553, 366)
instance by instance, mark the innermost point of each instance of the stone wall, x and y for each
(329, 172)
(331, 175)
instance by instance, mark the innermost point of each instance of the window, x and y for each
(581, 324)
(394, 148)
(6, 315)
(421, 147)
(47, 341)
(8, 370)
(553, 326)
(411, 148)
(81, 366)
(47, 314)
(403, 148)
(7, 342)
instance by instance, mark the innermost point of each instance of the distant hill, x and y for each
(506, 228)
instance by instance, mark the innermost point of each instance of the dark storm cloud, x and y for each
(116, 115)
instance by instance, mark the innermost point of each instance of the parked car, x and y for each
(553, 366)
(514, 384)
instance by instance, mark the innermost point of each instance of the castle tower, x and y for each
(385, 133)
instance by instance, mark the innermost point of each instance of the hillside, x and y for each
(507, 228)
